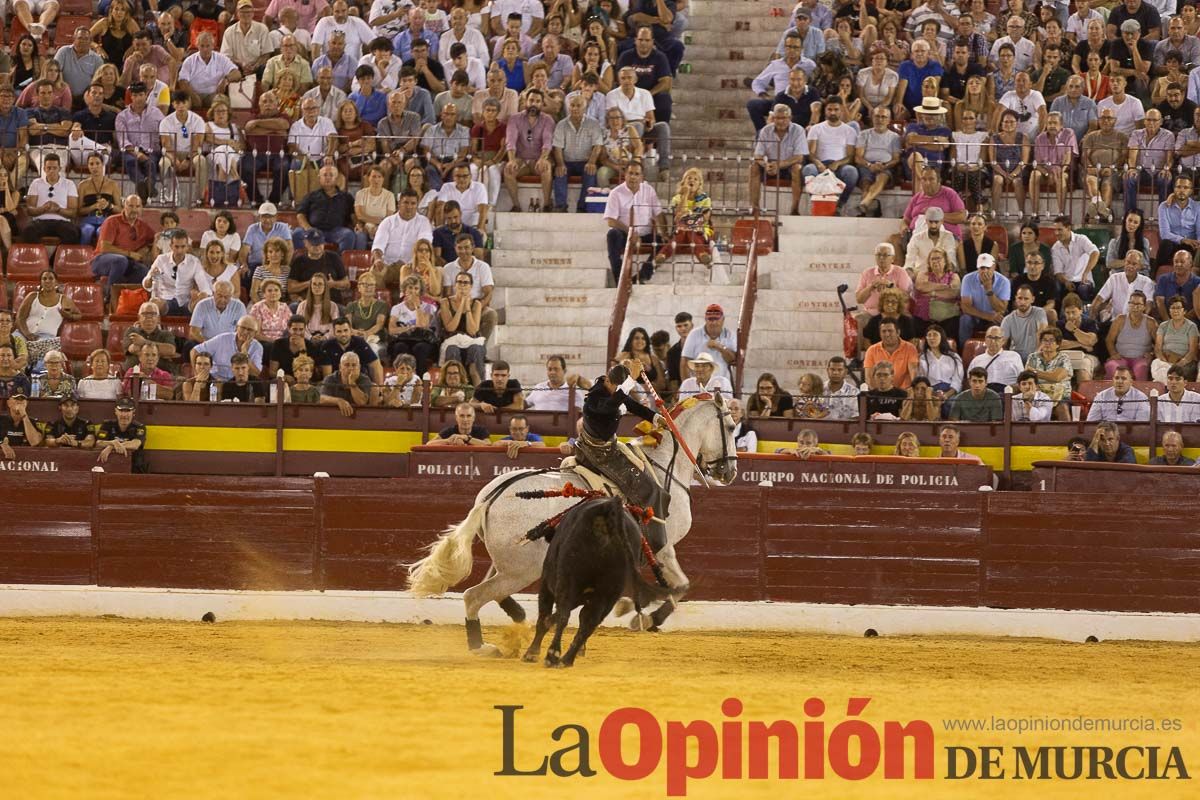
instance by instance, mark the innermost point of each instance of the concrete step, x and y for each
(850, 226)
(797, 244)
(783, 362)
(520, 316)
(563, 277)
(578, 298)
(819, 280)
(507, 221)
(550, 335)
(737, 54)
(542, 261)
(552, 241)
(537, 354)
(790, 341)
(824, 321)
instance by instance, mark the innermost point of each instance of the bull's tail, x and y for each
(449, 559)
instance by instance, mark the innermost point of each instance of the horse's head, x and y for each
(708, 427)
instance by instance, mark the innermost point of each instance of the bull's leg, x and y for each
(590, 616)
(496, 587)
(679, 586)
(513, 609)
(562, 616)
(545, 609)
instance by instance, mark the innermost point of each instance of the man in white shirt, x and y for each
(328, 96)
(712, 339)
(396, 236)
(531, 11)
(637, 105)
(461, 33)
(1122, 402)
(482, 284)
(554, 393)
(389, 17)
(206, 73)
(358, 33)
(248, 43)
(1179, 404)
(1027, 103)
(831, 147)
(1030, 404)
(1129, 109)
(310, 139)
(841, 393)
(1074, 257)
(1003, 367)
(472, 198)
(925, 240)
(52, 203)
(704, 379)
(181, 134)
(1113, 298)
(1023, 48)
(163, 278)
(638, 198)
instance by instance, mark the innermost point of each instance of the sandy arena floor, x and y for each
(100, 708)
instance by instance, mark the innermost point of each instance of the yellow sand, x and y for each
(116, 708)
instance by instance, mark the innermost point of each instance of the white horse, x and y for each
(502, 519)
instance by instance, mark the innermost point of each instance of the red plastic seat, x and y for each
(357, 258)
(743, 234)
(20, 291)
(177, 326)
(73, 263)
(88, 297)
(79, 339)
(972, 348)
(116, 334)
(26, 261)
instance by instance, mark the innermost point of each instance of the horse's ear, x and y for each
(719, 397)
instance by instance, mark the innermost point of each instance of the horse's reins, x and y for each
(670, 423)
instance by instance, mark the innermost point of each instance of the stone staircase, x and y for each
(551, 273)
(797, 319)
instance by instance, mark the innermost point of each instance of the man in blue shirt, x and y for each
(371, 105)
(519, 435)
(445, 235)
(256, 235)
(337, 59)
(14, 128)
(916, 70)
(1177, 220)
(1179, 282)
(222, 347)
(984, 298)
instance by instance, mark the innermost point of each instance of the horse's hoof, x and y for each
(556, 664)
(530, 657)
(640, 622)
(487, 651)
(653, 629)
(623, 607)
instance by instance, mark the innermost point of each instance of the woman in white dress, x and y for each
(224, 143)
(99, 383)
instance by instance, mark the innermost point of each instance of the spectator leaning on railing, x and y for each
(780, 150)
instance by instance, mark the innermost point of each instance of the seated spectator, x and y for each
(312, 259)
(949, 438)
(1052, 368)
(17, 428)
(1002, 366)
(920, 402)
(807, 445)
(932, 237)
(876, 155)
(519, 435)
(240, 389)
(745, 438)
(776, 79)
(223, 346)
(345, 341)
(1077, 448)
(578, 143)
(841, 396)
(893, 305)
(347, 388)
(560, 65)
(1021, 326)
(52, 202)
(1175, 343)
(1172, 452)
(1131, 239)
(1107, 445)
(275, 267)
(318, 310)
(554, 393)
(702, 380)
(1104, 157)
(469, 195)
(97, 384)
(1151, 150)
(302, 389)
(329, 211)
(1179, 404)
(637, 346)
(206, 73)
(295, 343)
(266, 146)
(1029, 403)
(1131, 340)
(194, 285)
(1113, 298)
(831, 148)
(970, 171)
(936, 295)
(217, 314)
(780, 148)
(373, 203)
(940, 364)
(453, 385)
(499, 393)
(874, 280)
(1181, 282)
(927, 141)
(69, 430)
(56, 381)
(907, 445)
(201, 387)
(978, 403)
(636, 200)
(370, 105)
(1081, 336)
(368, 314)
(153, 382)
(1176, 220)
(985, 295)
(404, 388)
(444, 238)
(637, 105)
(41, 315)
(1122, 402)
(396, 237)
(861, 444)
(1053, 154)
(932, 193)
(900, 353)
(49, 127)
(162, 280)
(714, 338)
(885, 400)
(460, 315)
(149, 330)
(181, 135)
(336, 59)
(769, 399)
(464, 431)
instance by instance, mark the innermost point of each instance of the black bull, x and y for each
(592, 561)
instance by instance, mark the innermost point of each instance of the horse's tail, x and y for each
(449, 559)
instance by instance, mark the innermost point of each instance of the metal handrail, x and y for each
(624, 290)
(746, 312)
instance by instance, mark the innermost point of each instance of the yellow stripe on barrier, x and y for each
(323, 440)
(225, 440)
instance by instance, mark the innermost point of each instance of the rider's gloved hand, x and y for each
(659, 422)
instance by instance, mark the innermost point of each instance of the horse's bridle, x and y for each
(706, 467)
